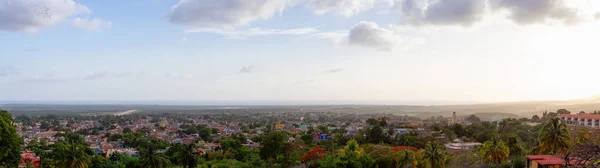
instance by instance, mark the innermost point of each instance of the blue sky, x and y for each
(298, 50)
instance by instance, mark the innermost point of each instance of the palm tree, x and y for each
(73, 156)
(435, 154)
(494, 150)
(150, 159)
(406, 158)
(189, 156)
(554, 137)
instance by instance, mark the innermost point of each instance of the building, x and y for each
(549, 161)
(586, 120)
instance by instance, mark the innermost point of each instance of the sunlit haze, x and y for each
(299, 50)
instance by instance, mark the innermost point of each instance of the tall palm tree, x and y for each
(189, 156)
(494, 150)
(73, 156)
(406, 158)
(435, 154)
(554, 137)
(150, 159)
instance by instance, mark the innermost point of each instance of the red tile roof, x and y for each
(549, 160)
(586, 116)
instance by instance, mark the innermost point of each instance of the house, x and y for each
(550, 161)
(586, 120)
(401, 131)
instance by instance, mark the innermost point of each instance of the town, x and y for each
(225, 138)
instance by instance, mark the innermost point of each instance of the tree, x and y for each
(188, 157)
(10, 143)
(494, 151)
(473, 119)
(72, 155)
(407, 158)
(563, 111)
(126, 130)
(535, 118)
(308, 139)
(311, 158)
(554, 137)
(582, 112)
(149, 157)
(435, 154)
(273, 144)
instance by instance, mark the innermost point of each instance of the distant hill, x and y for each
(489, 111)
(493, 116)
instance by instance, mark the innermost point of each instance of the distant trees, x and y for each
(375, 133)
(563, 111)
(535, 118)
(554, 137)
(473, 119)
(10, 142)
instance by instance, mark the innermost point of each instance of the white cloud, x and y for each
(469, 12)
(241, 34)
(176, 75)
(224, 13)
(106, 74)
(9, 71)
(340, 7)
(441, 12)
(369, 34)
(334, 70)
(92, 25)
(32, 15)
(246, 69)
(537, 11)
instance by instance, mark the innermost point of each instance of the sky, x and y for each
(299, 50)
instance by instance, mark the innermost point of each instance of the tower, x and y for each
(454, 117)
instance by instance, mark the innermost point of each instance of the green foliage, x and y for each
(473, 119)
(495, 150)
(73, 152)
(563, 111)
(10, 152)
(409, 139)
(273, 144)
(307, 138)
(554, 137)
(434, 153)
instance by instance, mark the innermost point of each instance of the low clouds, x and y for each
(108, 75)
(33, 15)
(242, 34)
(224, 13)
(537, 11)
(368, 34)
(246, 69)
(442, 12)
(469, 12)
(335, 70)
(92, 25)
(9, 71)
(340, 7)
(177, 75)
